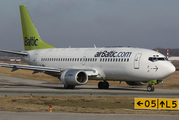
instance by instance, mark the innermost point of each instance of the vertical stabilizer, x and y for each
(31, 38)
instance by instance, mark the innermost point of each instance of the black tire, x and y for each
(150, 88)
(153, 88)
(106, 85)
(69, 86)
(72, 86)
(101, 85)
(66, 86)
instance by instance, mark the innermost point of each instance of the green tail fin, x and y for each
(31, 38)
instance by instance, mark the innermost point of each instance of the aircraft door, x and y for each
(35, 59)
(137, 61)
(83, 60)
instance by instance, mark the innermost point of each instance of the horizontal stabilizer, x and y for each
(29, 67)
(15, 52)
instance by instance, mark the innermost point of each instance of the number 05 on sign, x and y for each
(145, 103)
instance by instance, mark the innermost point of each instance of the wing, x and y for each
(48, 70)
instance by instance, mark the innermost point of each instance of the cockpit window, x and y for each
(161, 58)
(154, 59)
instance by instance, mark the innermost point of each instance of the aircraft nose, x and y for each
(169, 69)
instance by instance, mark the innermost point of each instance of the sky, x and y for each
(83, 23)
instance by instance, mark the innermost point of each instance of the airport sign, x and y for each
(155, 103)
(145, 103)
(168, 104)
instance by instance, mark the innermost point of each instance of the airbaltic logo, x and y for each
(112, 54)
(30, 42)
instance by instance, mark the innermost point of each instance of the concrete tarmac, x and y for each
(13, 86)
(80, 116)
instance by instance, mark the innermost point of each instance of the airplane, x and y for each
(75, 66)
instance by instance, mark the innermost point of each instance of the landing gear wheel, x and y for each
(150, 88)
(106, 85)
(103, 85)
(69, 86)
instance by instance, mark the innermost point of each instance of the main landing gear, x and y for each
(69, 86)
(150, 88)
(103, 85)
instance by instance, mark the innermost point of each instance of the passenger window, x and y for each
(113, 59)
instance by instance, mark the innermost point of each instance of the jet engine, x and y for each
(74, 77)
(136, 83)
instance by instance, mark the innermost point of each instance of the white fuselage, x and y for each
(122, 64)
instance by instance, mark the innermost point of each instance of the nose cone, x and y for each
(168, 69)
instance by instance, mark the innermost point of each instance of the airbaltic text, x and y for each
(30, 42)
(112, 54)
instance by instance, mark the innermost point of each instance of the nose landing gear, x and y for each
(150, 88)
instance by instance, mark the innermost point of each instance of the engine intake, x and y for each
(74, 77)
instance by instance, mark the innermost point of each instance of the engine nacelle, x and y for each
(136, 83)
(74, 77)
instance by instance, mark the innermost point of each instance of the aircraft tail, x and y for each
(31, 38)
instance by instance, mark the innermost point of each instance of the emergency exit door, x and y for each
(137, 61)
